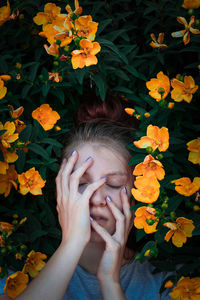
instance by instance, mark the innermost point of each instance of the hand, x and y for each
(111, 261)
(73, 207)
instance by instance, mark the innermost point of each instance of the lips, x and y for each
(98, 218)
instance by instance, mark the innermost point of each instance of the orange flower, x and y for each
(64, 31)
(86, 27)
(77, 11)
(191, 4)
(46, 116)
(34, 263)
(2, 243)
(168, 284)
(16, 284)
(179, 231)
(4, 13)
(143, 214)
(31, 181)
(9, 136)
(17, 112)
(85, 56)
(52, 49)
(159, 42)
(160, 87)
(9, 157)
(187, 289)
(8, 180)
(5, 77)
(129, 111)
(19, 125)
(185, 187)
(194, 147)
(183, 90)
(156, 138)
(3, 167)
(54, 76)
(50, 13)
(188, 28)
(150, 167)
(3, 89)
(4, 226)
(147, 189)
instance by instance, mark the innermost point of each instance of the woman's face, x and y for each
(110, 163)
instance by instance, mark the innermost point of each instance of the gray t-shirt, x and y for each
(137, 281)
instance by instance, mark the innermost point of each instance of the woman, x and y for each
(93, 203)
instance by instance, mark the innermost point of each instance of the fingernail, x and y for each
(64, 160)
(73, 152)
(89, 158)
(91, 219)
(125, 189)
(103, 178)
(109, 199)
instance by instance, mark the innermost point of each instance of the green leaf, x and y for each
(53, 142)
(45, 89)
(20, 161)
(109, 44)
(25, 134)
(135, 73)
(59, 93)
(136, 159)
(37, 234)
(38, 150)
(100, 83)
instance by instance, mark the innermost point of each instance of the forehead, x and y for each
(104, 158)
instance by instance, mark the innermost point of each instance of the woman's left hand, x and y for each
(111, 261)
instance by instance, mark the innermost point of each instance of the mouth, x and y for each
(98, 219)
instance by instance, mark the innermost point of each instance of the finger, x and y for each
(90, 189)
(110, 243)
(66, 172)
(76, 175)
(120, 220)
(58, 181)
(126, 207)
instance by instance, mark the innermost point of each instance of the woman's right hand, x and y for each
(73, 207)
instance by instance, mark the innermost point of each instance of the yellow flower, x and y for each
(187, 289)
(183, 90)
(156, 138)
(147, 189)
(188, 28)
(179, 231)
(9, 136)
(158, 43)
(46, 116)
(16, 284)
(159, 87)
(143, 214)
(50, 13)
(16, 113)
(8, 180)
(85, 56)
(171, 105)
(86, 27)
(4, 226)
(19, 125)
(31, 181)
(34, 263)
(150, 167)
(191, 4)
(4, 13)
(194, 148)
(185, 187)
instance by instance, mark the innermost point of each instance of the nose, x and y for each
(98, 198)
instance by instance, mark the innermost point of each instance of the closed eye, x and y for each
(114, 186)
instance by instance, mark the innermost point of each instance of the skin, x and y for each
(98, 246)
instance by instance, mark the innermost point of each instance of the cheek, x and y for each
(115, 196)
